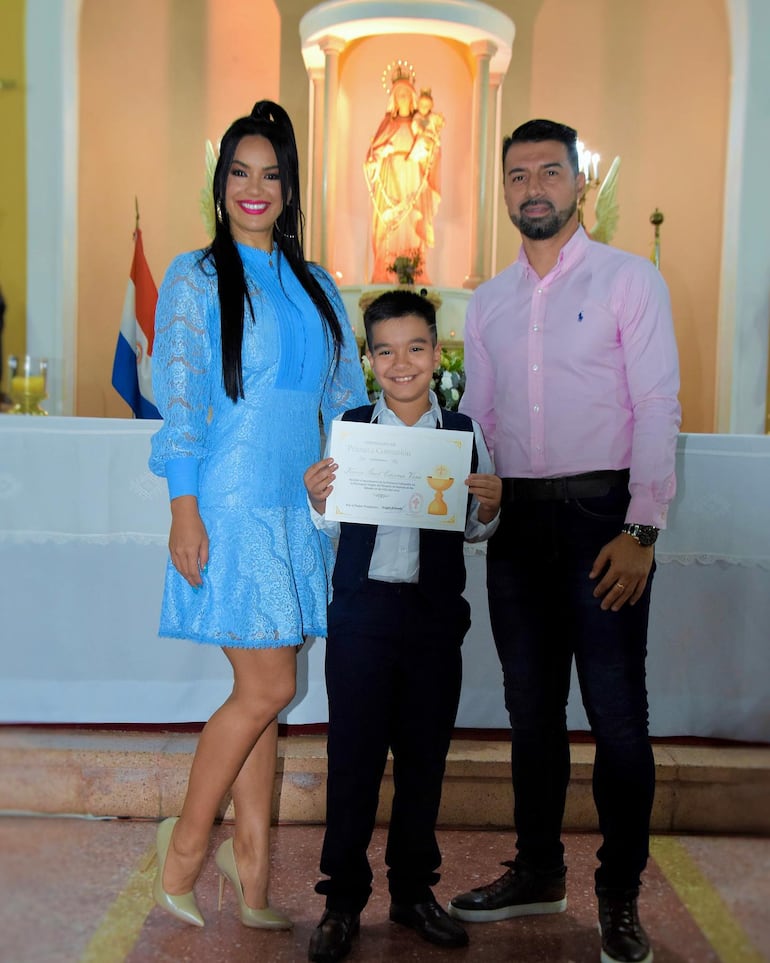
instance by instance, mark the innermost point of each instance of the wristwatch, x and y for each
(644, 534)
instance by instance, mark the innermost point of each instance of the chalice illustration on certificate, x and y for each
(440, 481)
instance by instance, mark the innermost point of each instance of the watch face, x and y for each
(647, 535)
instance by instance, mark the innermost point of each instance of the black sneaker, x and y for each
(518, 892)
(623, 939)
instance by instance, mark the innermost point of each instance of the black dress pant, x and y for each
(393, 674)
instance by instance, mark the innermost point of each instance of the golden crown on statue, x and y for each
(395, 71)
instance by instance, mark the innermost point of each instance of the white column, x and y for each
(495, 147)
(482, 51)
(744, 302)
(331, 47)
(52, 32)
(315, 165)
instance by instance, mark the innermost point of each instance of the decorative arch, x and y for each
(327, 30)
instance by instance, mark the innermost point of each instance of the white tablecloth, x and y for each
(83, 529)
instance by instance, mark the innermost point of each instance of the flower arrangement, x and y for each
(448, 381)
(405, 266)
(372, 388)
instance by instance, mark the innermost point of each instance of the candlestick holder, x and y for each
(656, 219)
(28, 377)
(588, 162)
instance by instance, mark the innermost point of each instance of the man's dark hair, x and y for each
(398, 304)
(535, 131)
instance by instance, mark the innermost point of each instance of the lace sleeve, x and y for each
(345, 388)
(181, 363)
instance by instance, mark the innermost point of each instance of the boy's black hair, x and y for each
(398, 304)
(535, 131)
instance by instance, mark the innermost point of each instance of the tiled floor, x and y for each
(79, 891)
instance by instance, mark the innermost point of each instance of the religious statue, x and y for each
(402, 173)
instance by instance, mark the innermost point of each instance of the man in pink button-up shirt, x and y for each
(572, 373)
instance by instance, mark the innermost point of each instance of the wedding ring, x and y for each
(619, 585)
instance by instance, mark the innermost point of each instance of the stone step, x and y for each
(700, 788)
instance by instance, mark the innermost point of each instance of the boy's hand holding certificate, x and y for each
(412, 477)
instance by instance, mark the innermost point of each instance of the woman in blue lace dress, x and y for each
(251, 344)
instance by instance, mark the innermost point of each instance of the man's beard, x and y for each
(542, 228)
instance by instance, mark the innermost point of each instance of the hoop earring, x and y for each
(219, 211)
(280, 233)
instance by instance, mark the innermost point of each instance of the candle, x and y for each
(31, 385)
(581, 156)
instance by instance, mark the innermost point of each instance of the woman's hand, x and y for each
(188, 541)
(318, 482)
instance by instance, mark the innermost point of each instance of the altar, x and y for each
(83, 530)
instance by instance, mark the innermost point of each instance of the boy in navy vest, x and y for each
(396, 622)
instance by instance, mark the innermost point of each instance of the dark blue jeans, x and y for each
(543, 614)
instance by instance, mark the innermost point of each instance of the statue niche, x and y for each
(402, 174)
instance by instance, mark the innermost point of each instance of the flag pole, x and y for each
(136, 208)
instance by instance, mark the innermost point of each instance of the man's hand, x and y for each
(626, 566)
(318, 482)
(188, 541)
(488, 490)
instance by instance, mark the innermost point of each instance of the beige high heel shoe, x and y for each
(261, 919)
(181, 905)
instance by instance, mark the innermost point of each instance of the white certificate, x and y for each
(411, 477)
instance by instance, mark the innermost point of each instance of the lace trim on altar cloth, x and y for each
(705, 558)
(665, 558)
(64, 538)
(470, 549)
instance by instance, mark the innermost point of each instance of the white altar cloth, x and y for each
(83, 530)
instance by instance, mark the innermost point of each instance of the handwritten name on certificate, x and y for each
(389, 475)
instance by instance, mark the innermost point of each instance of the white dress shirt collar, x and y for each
(386, 416)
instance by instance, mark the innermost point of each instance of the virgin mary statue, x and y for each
(401, 171)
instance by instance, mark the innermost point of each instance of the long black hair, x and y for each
(268, 120)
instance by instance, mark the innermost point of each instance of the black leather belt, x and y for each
(592, 484)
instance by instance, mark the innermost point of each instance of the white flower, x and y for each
(446, 381)
(455, 394)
